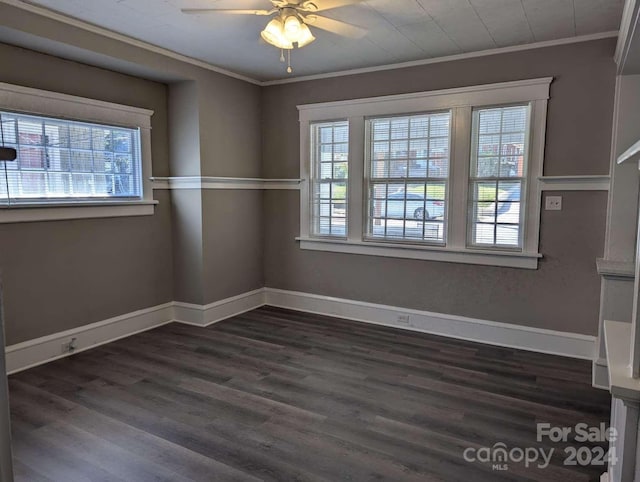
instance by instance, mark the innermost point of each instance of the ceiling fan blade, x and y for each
(321, 5)
(192, 11)
(335, 26)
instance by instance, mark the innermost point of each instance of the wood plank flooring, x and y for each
(279, 395)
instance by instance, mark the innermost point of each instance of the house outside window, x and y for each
(76, 157)
(449, 175)
(68, 160)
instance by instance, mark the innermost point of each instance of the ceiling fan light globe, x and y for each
(292, 27)
(274, 35)
(305, 37)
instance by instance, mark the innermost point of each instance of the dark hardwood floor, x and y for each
(280, 395)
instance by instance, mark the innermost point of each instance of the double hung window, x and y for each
(408, 169)
(76, 157)
(447, 175)
(67, 160)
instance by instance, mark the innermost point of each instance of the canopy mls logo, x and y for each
(500, 455)
(582, 433)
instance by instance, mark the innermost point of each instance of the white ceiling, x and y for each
(399, 30)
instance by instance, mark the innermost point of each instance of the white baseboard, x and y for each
(48, 348)
(206, 315)
(600, 374)
(572, 345)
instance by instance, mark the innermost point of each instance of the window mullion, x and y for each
(459, 177)
(357, 178)
(532, 194)
(306, 186)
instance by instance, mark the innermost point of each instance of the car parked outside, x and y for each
(508, 210)
(416, 207)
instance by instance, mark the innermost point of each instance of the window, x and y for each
(408, 161)
(450, 175)
(61, 160)
(498, 176)
(77, 157)
(330, 157)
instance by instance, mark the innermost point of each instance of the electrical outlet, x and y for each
(553, 203)
(70, 346)
(403, 319)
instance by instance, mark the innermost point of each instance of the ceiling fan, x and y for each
(290, 27)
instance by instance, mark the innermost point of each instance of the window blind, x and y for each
(330, 159)
(408, 170)
(63, 160)
(498, 176)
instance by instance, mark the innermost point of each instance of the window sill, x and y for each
(33, 212)
(432, 253)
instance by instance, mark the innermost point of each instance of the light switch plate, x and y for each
(553, 203)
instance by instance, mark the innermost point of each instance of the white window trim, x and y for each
(461, 102)
(523, 212)
(26, 100)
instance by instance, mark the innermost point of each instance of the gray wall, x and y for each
(64, 274)
(230, 130)
(61, 275)
(230, 146)
(188, 249)
(184, 126)
(215, 131)
(226, 112)
(233, 234)
(562, 294)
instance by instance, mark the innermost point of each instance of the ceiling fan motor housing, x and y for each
(289, 28)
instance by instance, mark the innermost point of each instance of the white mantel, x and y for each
(617, 267)
(618, 358)
(621, 339)
(625, 407)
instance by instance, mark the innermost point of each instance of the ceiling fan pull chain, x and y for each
(289, 69)
(282, 55)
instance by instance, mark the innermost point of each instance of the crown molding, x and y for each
(45, 12)
(448, 58)
(89, 27)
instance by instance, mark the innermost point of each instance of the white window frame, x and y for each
(368, 181)
(523, 212)
(316, 181)
(461, 102)
(25, 100)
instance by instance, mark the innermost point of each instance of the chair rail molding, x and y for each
(238, 183)
(575, 183)
(608, 268)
